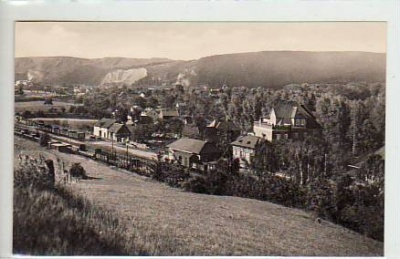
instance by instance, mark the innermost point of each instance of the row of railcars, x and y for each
(61, 131)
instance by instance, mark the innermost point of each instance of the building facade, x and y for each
(286, 120)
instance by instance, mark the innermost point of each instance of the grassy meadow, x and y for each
(77, 124)
(35, 106)
(118, 212)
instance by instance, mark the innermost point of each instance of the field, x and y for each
(168, 221)
(77, 124)
(35, 106)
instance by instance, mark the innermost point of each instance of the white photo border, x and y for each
(268, 11)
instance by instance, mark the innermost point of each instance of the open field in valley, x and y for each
(71, 122)
(35, 106)
(168, 221)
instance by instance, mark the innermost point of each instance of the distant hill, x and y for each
(271, 69)
(69, 70)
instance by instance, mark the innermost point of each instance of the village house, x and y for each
(168, 114)
(222, 131)
(193, 153)
(286, 120)
(149, 113)
(101, 128)
(119, 132)
(190, 129)
(182, 108)
(245, 148)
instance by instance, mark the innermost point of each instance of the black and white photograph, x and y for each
(201, 129)
(199, 138)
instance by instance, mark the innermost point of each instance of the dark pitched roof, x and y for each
(194, 146)
(170, 113)
(105, 123)
(247, 141)
(116, 127)
(191, 131)
(285, 110)
(131, 128)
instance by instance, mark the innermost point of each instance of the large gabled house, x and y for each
(193, 153)
(286, 120)
(101, 128)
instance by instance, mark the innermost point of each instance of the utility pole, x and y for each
(112, 144)
(127, 154)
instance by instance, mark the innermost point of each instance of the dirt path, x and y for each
(168, 221)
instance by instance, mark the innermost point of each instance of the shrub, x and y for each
(78, 171)
(196, 184)
(40, 176)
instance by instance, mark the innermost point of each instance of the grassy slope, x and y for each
(167, 221)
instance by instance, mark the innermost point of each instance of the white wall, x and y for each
(261, 130)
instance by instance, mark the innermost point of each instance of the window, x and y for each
(286, 136)
(296, 135)
(278, 136)
(300, 122)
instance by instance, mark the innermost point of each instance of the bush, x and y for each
(44, 139)
(197, 185)
(78, 171)
(40, 176)
(173, 175)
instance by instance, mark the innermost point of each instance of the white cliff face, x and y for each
(184, 77)
(129, 76)
(34, 76)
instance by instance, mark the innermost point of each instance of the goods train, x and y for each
(61, 131)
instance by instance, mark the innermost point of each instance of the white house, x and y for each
(102, 127)
(245, 147)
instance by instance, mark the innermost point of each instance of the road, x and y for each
(122, 150)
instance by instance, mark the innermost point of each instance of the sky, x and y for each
(192, 40)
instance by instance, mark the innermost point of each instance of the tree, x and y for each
(152, 102)
(27, 114)
(265, 161)
(20, 89)
(372, 170)
(121, 114)
(48, 101)
(71, 109)
(179, 89)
